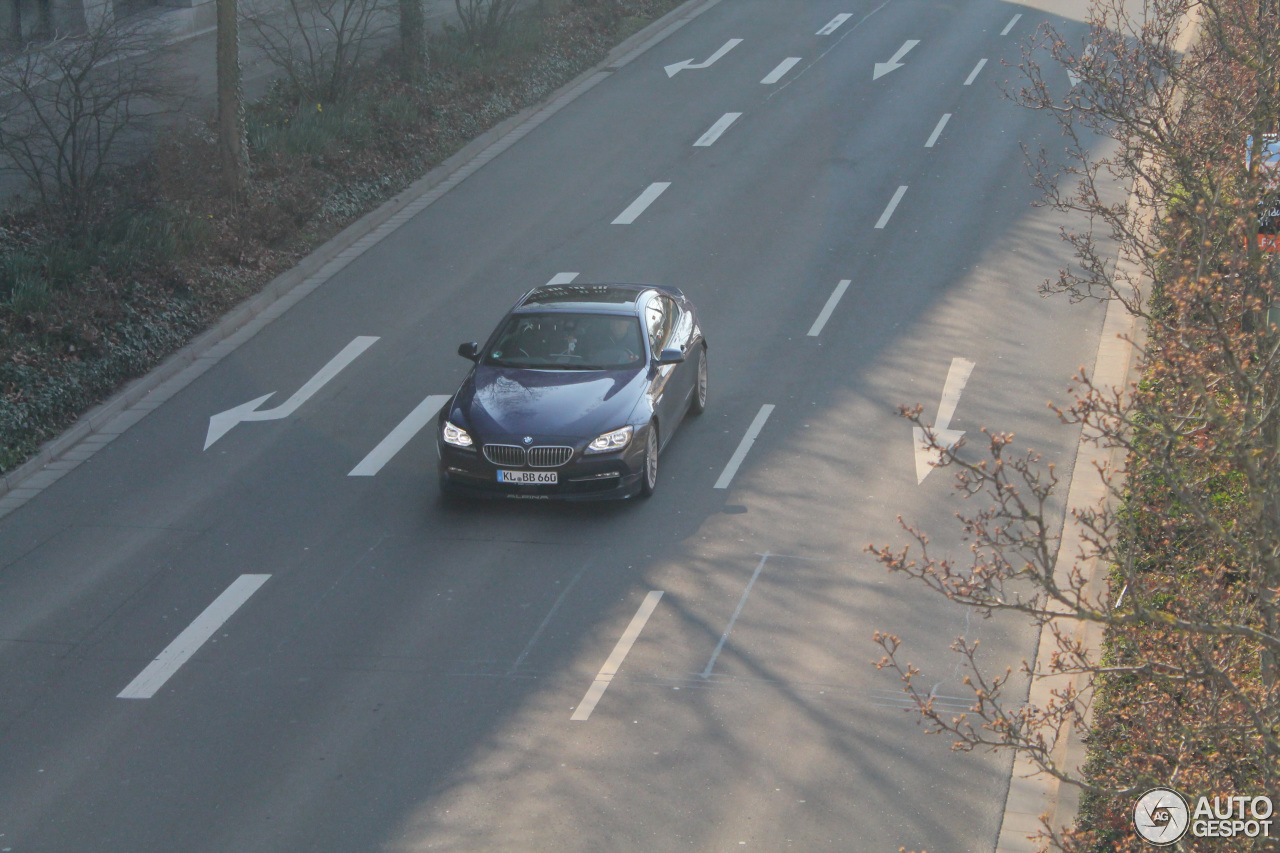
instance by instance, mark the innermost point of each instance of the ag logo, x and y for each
(1161, 816)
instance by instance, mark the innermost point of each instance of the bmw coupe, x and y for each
(575, 394)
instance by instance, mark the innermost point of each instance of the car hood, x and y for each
(500, 401)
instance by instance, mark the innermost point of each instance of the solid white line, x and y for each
(706, 673)
(399, 437)
(716, 129)
(619, 653)
(562, 278)
(973, 75)
(1009, 25)
(783, 67)
(189, 641)
(744, 446)
(816, 328)
(893, 205)
(833, 25)
(637, 207)
(937, 131)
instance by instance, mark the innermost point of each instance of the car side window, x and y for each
(659, 316)
(683, 331)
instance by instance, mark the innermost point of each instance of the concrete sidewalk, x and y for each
(193, 40)
(189, 38)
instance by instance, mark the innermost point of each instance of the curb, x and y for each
(1036, 799)
(101, 424)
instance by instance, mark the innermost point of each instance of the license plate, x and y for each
(525, 478)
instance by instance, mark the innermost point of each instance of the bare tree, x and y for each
(72, 109)
(1187, 691)
(485, 21)
(233, 150)
(317, 44)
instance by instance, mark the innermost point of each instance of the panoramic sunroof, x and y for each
(557, 293)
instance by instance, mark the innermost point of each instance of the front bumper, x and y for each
(608, 476)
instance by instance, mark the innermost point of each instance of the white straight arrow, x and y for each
(927, 457)
(883, 68)
(221, 423)
(1084, 60)
(676, 67)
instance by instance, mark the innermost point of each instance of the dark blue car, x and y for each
(575, 394)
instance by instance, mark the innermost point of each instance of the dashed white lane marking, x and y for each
(399, 437)
(562, 278)
(833, 25)
(937, 131)
(783, 67)
(1009, 25)
(836, 42)
(638, 206)
(153, 677)
(816, 328)
(744, 446)
(973, 75)
(713, 133)
(706, 673)
(617, 656)
(893, 205)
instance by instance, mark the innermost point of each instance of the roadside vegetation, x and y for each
(1185, 691)
(101, 278)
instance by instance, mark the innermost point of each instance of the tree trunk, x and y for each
(44, 19)
(413, 39)
(232, 149)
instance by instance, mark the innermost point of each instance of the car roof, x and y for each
(590, 298)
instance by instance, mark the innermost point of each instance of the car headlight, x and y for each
(615, 440)
(455, 436)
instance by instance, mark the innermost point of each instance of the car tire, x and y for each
(649, 464)
(699, 403)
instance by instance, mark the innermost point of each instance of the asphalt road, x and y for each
(402, 674)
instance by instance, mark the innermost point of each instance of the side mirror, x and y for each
(671, 355)
(469, 350)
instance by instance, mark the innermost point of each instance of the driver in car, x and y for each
(618, 343)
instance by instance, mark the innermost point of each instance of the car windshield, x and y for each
(562, 341)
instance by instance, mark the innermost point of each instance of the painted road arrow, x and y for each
(883, 68)
(926, 456)
(221, 423)
(677, 67)
(1084, 60)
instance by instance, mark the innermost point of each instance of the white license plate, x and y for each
(540, 478)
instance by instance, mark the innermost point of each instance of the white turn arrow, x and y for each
(927, 457)
(221, 423)
(883, 68)
(676, 67)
